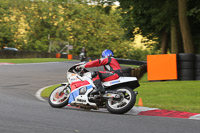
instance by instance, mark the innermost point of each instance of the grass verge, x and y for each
(33, 60)
(46, 92)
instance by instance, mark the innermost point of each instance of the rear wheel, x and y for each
(126, 102)
(59, 97)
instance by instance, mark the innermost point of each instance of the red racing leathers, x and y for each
(112, 71)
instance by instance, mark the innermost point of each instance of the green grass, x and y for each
(173, 95)
(33, 60)
(134, 66)
(46, 92)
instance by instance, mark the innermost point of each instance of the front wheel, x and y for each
(126, 102)
(59, 97)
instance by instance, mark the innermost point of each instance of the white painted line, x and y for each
(34, 63)
(195, 117)
(137, 110)
(6, 63)
(38, 93)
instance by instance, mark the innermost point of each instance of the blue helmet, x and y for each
(107, 53)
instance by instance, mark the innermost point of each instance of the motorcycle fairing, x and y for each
(77, 84)
(119, 81)
(75, 93)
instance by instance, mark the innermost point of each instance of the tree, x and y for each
(27, 24)
(194, 19)
(185, 27)
(174, 38)
(160, 19)
(153, 17)
(6, 26)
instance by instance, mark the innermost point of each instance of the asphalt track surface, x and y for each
(22, 112)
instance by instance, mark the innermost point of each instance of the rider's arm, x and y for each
(97, 63)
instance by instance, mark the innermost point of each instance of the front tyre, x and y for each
(126, 102)
(59, 97)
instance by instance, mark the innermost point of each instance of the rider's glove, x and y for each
(80, 67)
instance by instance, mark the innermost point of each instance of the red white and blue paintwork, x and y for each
(75, 89)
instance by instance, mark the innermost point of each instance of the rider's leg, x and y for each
(99, 87)
(108, 77)
(102, 76)
(97, 82)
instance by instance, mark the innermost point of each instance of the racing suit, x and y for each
(112, 71)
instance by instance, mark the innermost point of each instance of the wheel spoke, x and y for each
(125, 101)
(115, 105)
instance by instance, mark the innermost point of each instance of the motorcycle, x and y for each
(118, 98)
(82, 57)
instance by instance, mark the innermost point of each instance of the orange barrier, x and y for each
(69, 56)
(57, 55)
(162, 67)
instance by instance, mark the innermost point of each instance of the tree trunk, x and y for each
(184, 26)
(164, 43)
(174, 38)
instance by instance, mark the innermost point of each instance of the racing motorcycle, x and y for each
(118, 98)
(82, 56)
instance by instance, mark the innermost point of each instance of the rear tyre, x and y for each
(59, 97)
(126, 103)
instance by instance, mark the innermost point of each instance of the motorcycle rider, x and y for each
(84, 51)
(83, 54)
(112, 70)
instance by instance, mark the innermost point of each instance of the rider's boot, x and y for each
(98, 89)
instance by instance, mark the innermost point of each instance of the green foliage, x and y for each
(194, 9)
(151, 16)
(154, 17)
(194, 16)
(138, 54)
(6, 27)
(26, 25)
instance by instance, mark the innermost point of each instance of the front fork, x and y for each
(67, 89)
